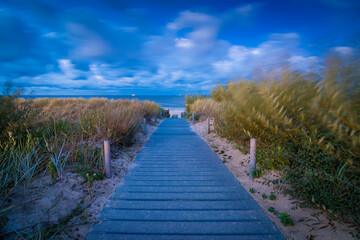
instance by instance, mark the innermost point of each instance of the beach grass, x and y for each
(45, 135)
(297, 117)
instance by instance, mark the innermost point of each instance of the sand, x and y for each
(308, 223)
(44, 201)
(176, 112)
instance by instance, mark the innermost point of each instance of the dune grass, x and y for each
(205, 107)
(190, 99)
(314, 118)
(48, 134)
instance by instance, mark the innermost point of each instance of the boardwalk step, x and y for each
(180, 196)
(182, 183)
(114, 236)
(183, 205)
(186, 227)
(183, 215)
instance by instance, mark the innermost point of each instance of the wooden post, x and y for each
(144, 126)
(252, 157)
(208, 122)
(107, 157)
(193, 118)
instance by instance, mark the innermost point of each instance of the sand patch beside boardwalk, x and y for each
(44, 201)
(308, 223)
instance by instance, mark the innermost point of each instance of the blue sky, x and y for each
(111, 47)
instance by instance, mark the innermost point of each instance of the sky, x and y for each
(115, 47)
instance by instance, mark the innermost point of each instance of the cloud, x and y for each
(285, 36)
(183, 43)
(192, 19)
(342, 50)
(245, 10)
(281, 50)
(302, 63)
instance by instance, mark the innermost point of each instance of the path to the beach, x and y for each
(179, 189)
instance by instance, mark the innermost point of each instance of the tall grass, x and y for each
(190, 99)
(314, 118)
(205, 106)
(47, 134)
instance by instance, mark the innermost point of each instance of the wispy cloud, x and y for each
(106, 47)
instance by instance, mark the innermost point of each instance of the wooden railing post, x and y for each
(252, 157)
(208, 122)
(144, 126)
(193, 118)
(107, 157)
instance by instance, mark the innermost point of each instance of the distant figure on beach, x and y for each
(168, 113)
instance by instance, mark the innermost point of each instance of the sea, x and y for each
(171, 102)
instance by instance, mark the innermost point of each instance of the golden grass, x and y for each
(75, 127)
(99, 117)
(292, 106)
(315, 118)
(206, 107)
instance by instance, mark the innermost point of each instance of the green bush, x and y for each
(323, 191)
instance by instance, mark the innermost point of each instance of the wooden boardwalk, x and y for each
(180, 189)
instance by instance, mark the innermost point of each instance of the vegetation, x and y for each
(204, 107)
(307, 125)
(48, 135)
(190, 99)
(256, 172)
(272, 197)
(284, 217)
